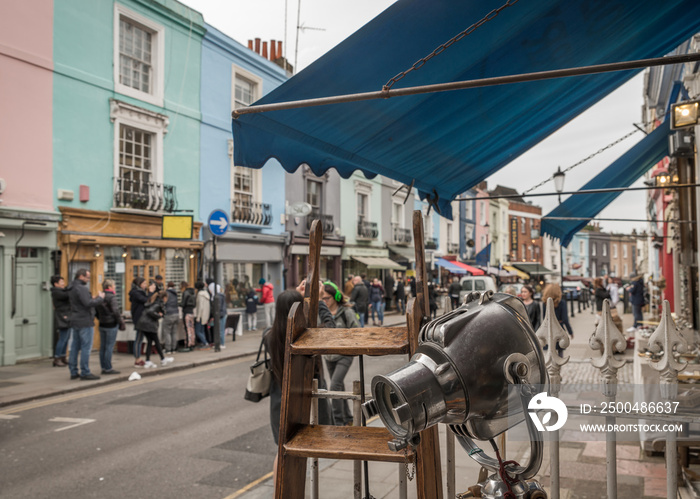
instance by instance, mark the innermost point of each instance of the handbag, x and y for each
(260, 378)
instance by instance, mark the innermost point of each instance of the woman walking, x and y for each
(274, 343)
(338, 365)
(553, 291)
(148, 325)
(202, 311)
(138, 296)
(376, 299)
(600, 294)
(637, 299)
(527, 295)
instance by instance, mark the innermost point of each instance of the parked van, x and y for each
(479, 283)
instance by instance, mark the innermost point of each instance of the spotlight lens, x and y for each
(685, 114)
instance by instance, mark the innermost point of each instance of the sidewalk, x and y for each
(36, 379)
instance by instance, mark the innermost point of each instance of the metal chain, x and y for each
(591, 156)
(418, 64)
(587, 158)
(410, 471)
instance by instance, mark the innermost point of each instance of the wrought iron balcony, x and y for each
(327, 223)
(138, 195)
(367, 230)
(431, 243)
(251, 213)
(401, 236)
(453, 248)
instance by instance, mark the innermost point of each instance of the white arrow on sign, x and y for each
(220, 222)
(76, 422)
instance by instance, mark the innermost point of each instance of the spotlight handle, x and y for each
(536, 446)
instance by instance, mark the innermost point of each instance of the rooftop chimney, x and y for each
(264, 52)
(257, 45)
(250, 44)
(273, 50)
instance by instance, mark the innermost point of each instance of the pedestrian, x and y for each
(432, 299)
(553, 291)
(600, 294)
(109, 315)
(389, 290)
(61, 308)
(349, 285)
(401, 296)
(359, 298)
(369, 305)
(82, 322)
(202, 311)
(159, 283)
(148, 324)
(527, 295)
(170, 320)
(138, 296)
(614, 291)
(510, 290)
(275, 344)
(267, 300)
(344, 317)
(637, 299)
(376, 299)
(251, 309)
(188, 303)
(222, 315)
(454, 290)
(412, 285)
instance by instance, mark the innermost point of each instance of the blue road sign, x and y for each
(218, 222)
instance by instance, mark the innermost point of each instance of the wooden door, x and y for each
(28, 317)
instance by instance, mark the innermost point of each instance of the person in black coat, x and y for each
(389, 290)
(637, 298)
(600, 294)
(61, 308)
(82, 322)
(108, 314)
(188, 303)
(359, 298)
(148, 325)
(138, 296)
(401, 296)
(527, 295)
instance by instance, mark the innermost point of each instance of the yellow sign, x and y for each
(177, 227)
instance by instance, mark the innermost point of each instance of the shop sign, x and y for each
(177, 227)
(514, 235)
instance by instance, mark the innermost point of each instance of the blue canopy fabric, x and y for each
(454, 269)
(621, 173)
(448, 142)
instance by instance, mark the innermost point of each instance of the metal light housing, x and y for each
(461, 373)
(684, 114)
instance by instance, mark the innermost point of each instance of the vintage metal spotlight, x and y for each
(476, 369)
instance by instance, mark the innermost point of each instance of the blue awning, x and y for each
(448, 265)
(448, 142)
(621, 173)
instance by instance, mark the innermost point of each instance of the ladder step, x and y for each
(355, 341)
(345, 442)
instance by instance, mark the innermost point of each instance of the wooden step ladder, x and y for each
(298, 439)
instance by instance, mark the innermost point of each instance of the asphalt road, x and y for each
(180, 435)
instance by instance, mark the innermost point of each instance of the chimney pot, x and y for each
(250, 44)
(279, 49)
(273, 50)
(257, 45)
(264, 51)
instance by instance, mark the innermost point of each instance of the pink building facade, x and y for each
(27, 215)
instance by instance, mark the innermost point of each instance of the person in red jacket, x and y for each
(267, 301)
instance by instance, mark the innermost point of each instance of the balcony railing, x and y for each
(327, 223)
(431, 243)
(367, 230)
(138, 195)
(251, 213)
(401, 236)
(453, 248)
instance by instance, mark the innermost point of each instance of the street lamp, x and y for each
(559, 187)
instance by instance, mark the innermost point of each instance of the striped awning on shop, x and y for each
(374, 262)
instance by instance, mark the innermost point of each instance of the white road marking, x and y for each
(76, 421)
(8, 416)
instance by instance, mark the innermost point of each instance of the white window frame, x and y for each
(614, 250)
(482, 214)
(624, 252)
(594, 248)
(625, 269)
(468, 210)
(238, 72)
(401, 222)
(605, 249)
(256, 178)
(581, 247)
(157, 52)
(448, 233)
(122, 113)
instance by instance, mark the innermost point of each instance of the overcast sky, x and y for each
(604, 123)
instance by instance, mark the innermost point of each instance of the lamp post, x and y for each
(559, 187)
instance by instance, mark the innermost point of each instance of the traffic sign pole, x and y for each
(218, 225)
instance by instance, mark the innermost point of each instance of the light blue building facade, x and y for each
(253, 248)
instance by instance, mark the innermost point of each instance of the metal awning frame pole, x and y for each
(585, 191)
(461, 85)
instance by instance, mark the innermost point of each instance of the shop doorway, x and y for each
(28, 316)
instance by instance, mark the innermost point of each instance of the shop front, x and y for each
(243, 259)
(330, 265)
(122, 247)
(372, 262)
(28, 249)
